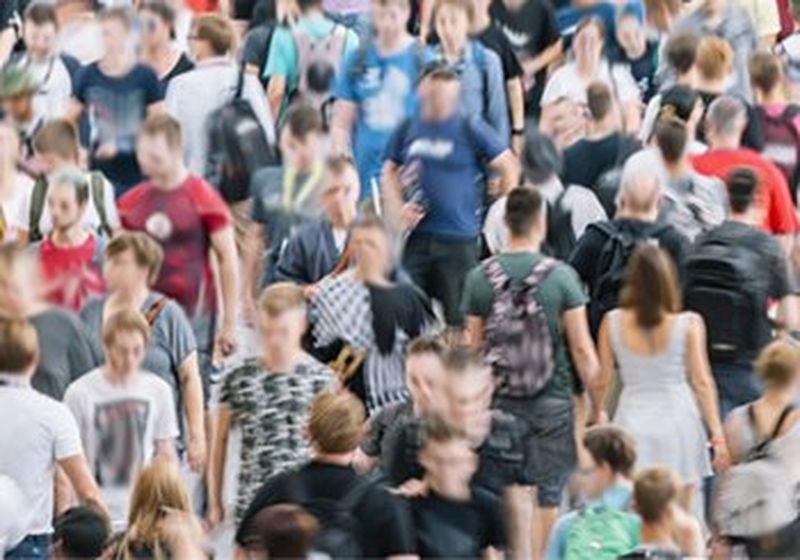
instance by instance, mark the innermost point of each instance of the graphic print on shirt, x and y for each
(385, 109)
(120, 426)
(115, 116)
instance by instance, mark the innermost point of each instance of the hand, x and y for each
(517, 144)
(196, 454)
(106, 151)
(411, 215)
(215, 515)
(226, 339)
(412, 488)
(722, 457)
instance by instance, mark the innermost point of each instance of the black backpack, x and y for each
(339, 535)
(237, 147)
(560, 240)
(613, 262)
(722, 286)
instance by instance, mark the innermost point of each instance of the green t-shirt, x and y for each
(560, 292)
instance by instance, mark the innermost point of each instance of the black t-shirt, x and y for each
(449, 529)
(501, 458)
(530, 31)
(256, 48)
(385, 521)
(643, 69)
(752, 137)
(493, 38)
(183, 65)
(586, 160)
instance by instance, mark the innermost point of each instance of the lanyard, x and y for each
(293, 200)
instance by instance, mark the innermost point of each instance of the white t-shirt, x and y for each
(119, 427)
(35, 432)
(567, 83)
(55, 86)
(12, 207)
(14, 514)
(90, 219)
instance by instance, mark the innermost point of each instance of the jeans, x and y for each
(737, 385)
(32, 547)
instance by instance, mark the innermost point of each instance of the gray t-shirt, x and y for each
(64, 351)
(171, 339)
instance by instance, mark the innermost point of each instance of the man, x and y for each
(727, 20)
(768, 280)
(37, 435)
(305, 59)
(117, 94)
(17, 92)
(267, 398)
(126, 415)
(531, 27)
(80, 532)
(600, 260)
(430, 190)
(725, 122)
(544, 404)
(376, 91)
(319, 247)
(192, 97)
(637, 51)
(190, 221)
(453, 519)
(335, 427)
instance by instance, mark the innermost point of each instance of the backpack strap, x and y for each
(751, 415)
(37, 208)
(497, 277)
(155, 309)
(97, 185)
(541, 271)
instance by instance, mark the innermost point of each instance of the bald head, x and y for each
(640, 188)
(725, 122)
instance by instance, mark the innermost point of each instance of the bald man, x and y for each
(602, 253)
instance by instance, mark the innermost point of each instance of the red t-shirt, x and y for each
(71, 274)
(774, 200)
(182, 220)
(202, 6)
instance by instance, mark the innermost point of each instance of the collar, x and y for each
(14, 380)
(214, 61)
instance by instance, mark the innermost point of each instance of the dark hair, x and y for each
(162, 11)
(302, 120)
(263, 13)
(523, 210)
(591, 20)
(766, 72)
(671, 137)
(338, 164)
(599, 100)
(305, 5)
(611, 446)
(651, 286)
(285, 531)
(742, 184)
(541, 158)
(653, 491)
(681, 51)
(217, 30)
(163, 124)
(40, 13)
(58, 136)
(82, 532)
(682, 99)
(459, 360)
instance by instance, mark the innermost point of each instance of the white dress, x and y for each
(657, 405)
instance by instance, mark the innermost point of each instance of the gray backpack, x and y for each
(755, 497)
(318, 61)
(518, 341)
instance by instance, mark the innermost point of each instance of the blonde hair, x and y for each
(19, 344)
(336, 422)
(146, 252)
(126, 320)
(465, 5)
(778, 363)
(281, 297)
(714, 58)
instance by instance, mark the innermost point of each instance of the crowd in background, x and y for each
(399, 279)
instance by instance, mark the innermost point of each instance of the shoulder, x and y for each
(144, 73)
(83, 384)
(135, 195)
(310, 365)
(154, 383)
(93, 308)
(61, 319)
(244, 372)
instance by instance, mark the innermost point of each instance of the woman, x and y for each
(747, 426)
(132, 261)
(159, 51)
(564, 112)
(660, 356)
(160, 524)
(362, 320)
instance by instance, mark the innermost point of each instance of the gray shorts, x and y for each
(549, 440)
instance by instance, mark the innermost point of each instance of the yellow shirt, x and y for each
(764, 14)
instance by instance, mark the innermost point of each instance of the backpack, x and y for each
(721, 285)
(754, 498)
(237, 147)
(317, 64)
(782, 142)
(601, 534)
(560, 238)
(613, 262)
(520, 348)
(97, 193)
(340, 529)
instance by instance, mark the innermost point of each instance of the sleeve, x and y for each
(781, 216)
(489, 142)
(398, 536)
(346, 81)
(291, 262)
(282, 57)
(396, 144)
(174, 97)
(511, 66)
(79, 354)
(91, 316)
(649, 119)
(154, 91)
(166, 423)
(67, 438)
(497, 110)
(254, 94)
(554, 88)
(767, 18)
(550, 32)
(572, 295)
(254, 42)
(477, 298)
(81, 83)
(351, 43)
(212, 209)
(111, 206)
(228, 390)
(495, 231)
(583, 259)
(182, 341)
(780, 284)
(21, 218)
(557, 541)
(626, 86)
(266, 496)
(371, 445)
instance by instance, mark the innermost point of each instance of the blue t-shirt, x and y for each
(446, 157)
(384, 89)
(116, 107)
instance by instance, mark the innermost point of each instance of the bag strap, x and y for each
(240, 81)
(497, 277)
(152, 313)
(37, 208)
(97, 186)
(751, 415)
(541, 271)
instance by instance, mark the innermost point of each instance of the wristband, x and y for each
(517, 131)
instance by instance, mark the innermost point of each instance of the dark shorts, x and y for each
(32, 547)
(439, 267)
(737, 384)
(549, 440)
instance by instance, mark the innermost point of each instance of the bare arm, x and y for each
(344, 116)
(157, 108)
(516, 106)
(192, 389)
(532, 65)
(252, 261)
(788, 312)
(392, 193)
(506, 166)
(363, 463)
(80, 476)
(518, 510)
(74, 111)
(607, 362)
(223, 244)
(584, 356)
(275, 92)
(216, 472)
(7, 39)
(475, 326)
(633, 117)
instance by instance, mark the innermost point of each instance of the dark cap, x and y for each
(82, 531)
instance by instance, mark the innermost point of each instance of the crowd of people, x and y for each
(399, 279)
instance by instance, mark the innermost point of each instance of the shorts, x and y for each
(549, 442)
